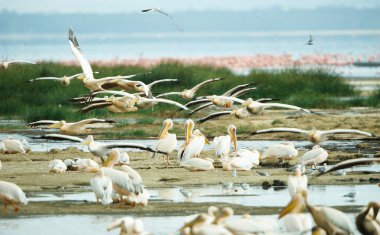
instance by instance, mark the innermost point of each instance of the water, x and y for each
(328, 195)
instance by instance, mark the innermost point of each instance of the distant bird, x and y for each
(262, 173)
(167, 142)
(102, 187)
(65, 80)
(315, 136)
(322, 169)
(189, 93)
(315, 156)
(11, 194)
(5, 64)
(186, 193)
(70, 128)
(351, 195)
(244, 186)
(159, 10)
(226, 186)
(57, 166)
(310, 41)
(351, 163)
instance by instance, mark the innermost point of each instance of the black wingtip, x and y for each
(254, 133)
(110, 121)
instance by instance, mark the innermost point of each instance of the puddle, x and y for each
(329, 195)
(92, 224)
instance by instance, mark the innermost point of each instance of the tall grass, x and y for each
(48, 99)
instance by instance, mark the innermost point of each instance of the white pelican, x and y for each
(367, 222)
(282, 151)
(167, 142)
(351, 163)
(221, 144)
(102, 187)
(296, 222)
(98, 84)
(248, 225)
(297, 182)
(136, 178)
(252, 155)
(124, 158)
(194, 143)
(315, 156)
(150, 85)
(315, 136)
(5, 64)
(121, 182)
(189, 93)
(65, 80)
(57, 166)
(97, 148)
(327, 218)
(11, 194)
(87, 165)
(140, 199)
(200, 226)
(128, 226)
(15, 146)
(236, 163)
(70, 128)
(212, 214)
(198, 164)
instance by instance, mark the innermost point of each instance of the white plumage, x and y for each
(315, 156)
(135, 177)
(128, 226)
(337, 218)
(296, 222)
(167, 142)
(221, 144)
(102, 187)
(237, 163)
(252, 155)
(14, 146)
(87, 165)
(11, 194)
(283, 151)
(198, 164)
(296, 183)
(120, 181)
(248, 225)
(57, 166)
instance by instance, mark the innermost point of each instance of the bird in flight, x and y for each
(310, 41)
(157, 10)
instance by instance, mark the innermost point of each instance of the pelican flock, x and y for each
(114, 177)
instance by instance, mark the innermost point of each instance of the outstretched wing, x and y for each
(351, 163)
(42, 123)
(347, 131)
(274, 130)
(197, 87)
(212, 116)
(60, 137)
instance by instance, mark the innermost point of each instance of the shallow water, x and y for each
(329, 195)
(93, 224)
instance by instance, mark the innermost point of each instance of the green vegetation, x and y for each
(48, 99)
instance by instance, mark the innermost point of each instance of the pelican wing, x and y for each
(161, 81)
(119, 178)
(132, 145)
(91, 121)
(21, 62)
(273, 130)
(197, 87)
(121, 93)
(168, 93)
(265, 100)
(242, 92)
(226, 98)
(212, 116)
(169, 102)
(60, 137)
(95, 106)
(351, 163)
(286, 106)
(344, 131)
(200, 108)
(236, 89)
(86, 67)
(195, 102)
(44, 78)
(42, 123)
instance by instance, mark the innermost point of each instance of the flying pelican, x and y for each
(315, 156)
(15, 146)
(351, 163)
(310, 41)
(167, 142)
(65, 80)
(98, 84)
(159, 10)
(150, 85)
(189, 93)
(57, 166)
(102, 187)
(221, 144)
(367, 223)
(97, 148)
(198, 164)
(194, 143)
(282, 151)
(5, 64)
(297, 182)
(70, 128)
(327, 218)
(11, 194)
(315, 136)
(128, 226)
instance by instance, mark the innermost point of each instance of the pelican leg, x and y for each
(5, 208)
(16, 208)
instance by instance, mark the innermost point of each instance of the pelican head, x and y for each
(57, 125)
(247, 102)
(197, 132)
(113, 158)
(189, 126)
(231, 129)
(213, 211)
(88, 140)
(166, 126)
(65, 81)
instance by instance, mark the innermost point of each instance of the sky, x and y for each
(110, 6)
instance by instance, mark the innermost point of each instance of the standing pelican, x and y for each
(282, 151)
(327, 218)
(70, 128)
(367, 223)
(11, 194)
(167, 142)
(297, 182)
(189, 93)
(194, 143)
(221, 144)
(315, 136)
(5, 64)
(102, 187)
(65, 80)
(315, 156)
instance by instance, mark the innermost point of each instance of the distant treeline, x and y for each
(258, 20)
(48, 99)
